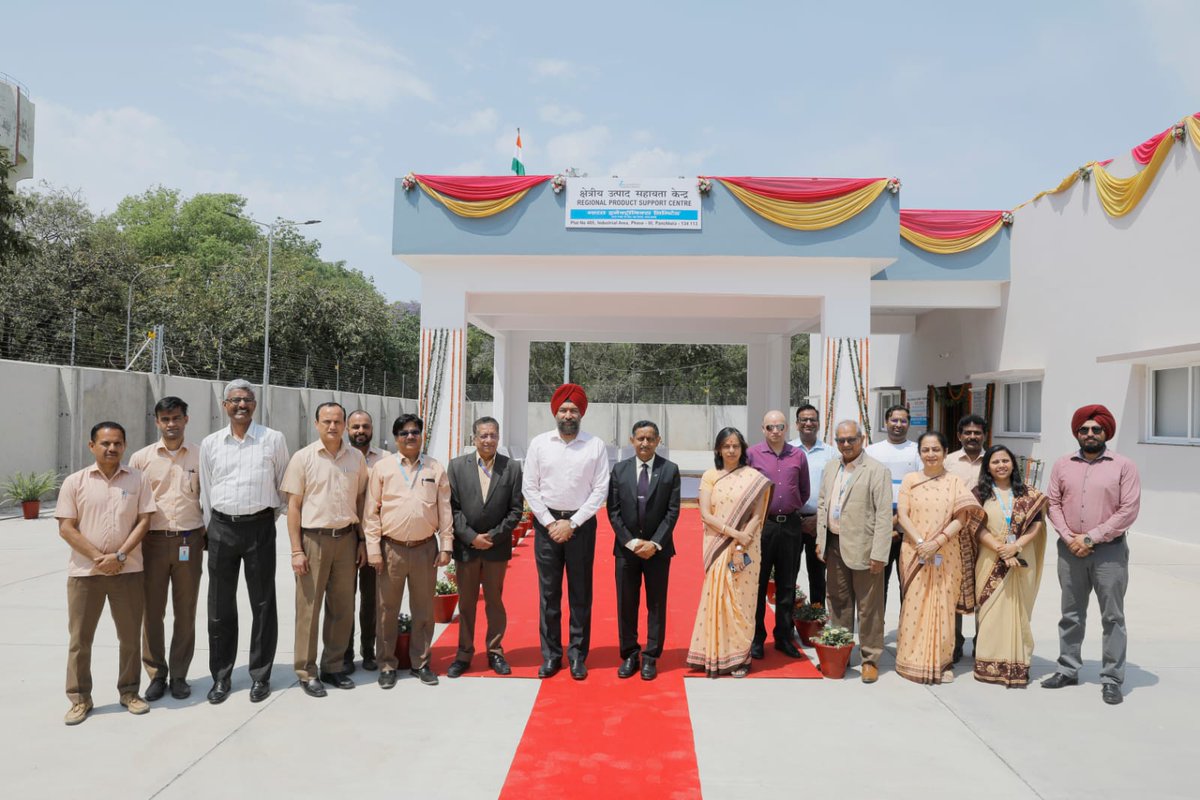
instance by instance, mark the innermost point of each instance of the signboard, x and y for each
(659, 203)
(919, 408)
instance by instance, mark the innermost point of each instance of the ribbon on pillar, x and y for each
(858, 356)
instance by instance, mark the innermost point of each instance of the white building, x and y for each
(16, 127)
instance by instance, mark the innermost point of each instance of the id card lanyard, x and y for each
(1007, 510)
(837, 509)
(412, 485)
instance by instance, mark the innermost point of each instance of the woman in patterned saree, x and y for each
(733, 503)
(1008, 571)
(940, 518)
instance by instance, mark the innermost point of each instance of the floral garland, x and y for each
(860, 389)
(435, 370)
(1007, 218)
(1177, 132)
(408, 182)
(833, 388)
(558, 183)
(704, 185)
(1085, 172)
(893, 185)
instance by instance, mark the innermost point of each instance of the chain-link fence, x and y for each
(629, 392)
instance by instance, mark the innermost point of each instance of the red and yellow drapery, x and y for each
(805, 204)
(478, 196)
(949, 231)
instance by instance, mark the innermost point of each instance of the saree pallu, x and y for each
(931, 593)
(1004, 645)
(725, 620)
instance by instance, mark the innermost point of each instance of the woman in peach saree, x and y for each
(940, 518)
(733, 503)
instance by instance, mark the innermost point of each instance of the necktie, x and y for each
(643, 490)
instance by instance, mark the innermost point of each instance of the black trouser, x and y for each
(893, 560)
(366, 614)
(815, 569)
(781, 547)
(576, 555)
(630, 572)
(248, 544)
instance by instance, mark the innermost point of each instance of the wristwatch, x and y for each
(571, 522)
(121, 557)
(1088, 541)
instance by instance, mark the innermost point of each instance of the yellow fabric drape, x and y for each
(1192, 125)
(1119, 196)
(810, 216)
(474, 209)
(945, 247)
(1066, 183)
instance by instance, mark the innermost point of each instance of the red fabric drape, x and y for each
(798, 190)
(477, 188)
(939, 224)
(1145, 151)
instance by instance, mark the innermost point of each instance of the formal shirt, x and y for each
(105, 511)
(1098, 498)
(330, 484)
(788, 471)
(967, 469)
(900, 459)
(242, 477)
(565, 476)
(818, 456)
(838, 491)
(174, 477)
(637, 475)
(373, 455)
(408, 501)
(484, 468)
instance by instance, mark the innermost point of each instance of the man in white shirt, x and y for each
(565, 481)
(808, 425)
(241, 468)
(901, 457)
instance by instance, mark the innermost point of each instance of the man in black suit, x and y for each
(485, 496)
(643, 506)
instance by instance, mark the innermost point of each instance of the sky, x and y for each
(313, 110)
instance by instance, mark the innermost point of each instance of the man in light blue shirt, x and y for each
(808, 423)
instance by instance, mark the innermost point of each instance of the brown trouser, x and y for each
(163, 569)
(85, 602)
(414, 565)
(329, 582)
(470, 574)
(849, 589)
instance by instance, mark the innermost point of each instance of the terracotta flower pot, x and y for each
(31, 508)
(403, 640)
(771, 591)
(833, 659)
(808, 629)
(443, 607)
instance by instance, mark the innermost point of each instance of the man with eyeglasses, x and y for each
(1095, 494)
(854, 535)
(241, 467)
(787, 469)
(410, 533)
(808, 425)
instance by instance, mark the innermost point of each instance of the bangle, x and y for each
(297, 553)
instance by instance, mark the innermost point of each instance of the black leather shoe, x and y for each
(259, 691)
(498, 664)
(387, 679)
(788, 649)
(312, 687)
(1058, 680)
(628, 667)
(756, 650)
(578, 669)
(426, 675)
(370, 664)
(348, 665)
(649, 668)
(549, 668)
(219, 692)
(456, 668)
(180, 689)
(1111, 694)
(156, 689)
(339, 679)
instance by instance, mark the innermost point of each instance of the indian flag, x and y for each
(518, 166)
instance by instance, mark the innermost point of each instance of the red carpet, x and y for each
(584, 739)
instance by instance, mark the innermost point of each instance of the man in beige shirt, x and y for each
(965, 464)
(325, 483)
(173, 549)
(360, 429)
(410, 533)
(103, 512)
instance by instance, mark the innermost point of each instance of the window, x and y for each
(887, 398)
(1023, 407)
(1175, 404)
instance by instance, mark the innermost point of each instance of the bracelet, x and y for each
(297, 553)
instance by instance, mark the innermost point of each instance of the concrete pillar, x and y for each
(757, 402)
(510, 390)
(442, 393)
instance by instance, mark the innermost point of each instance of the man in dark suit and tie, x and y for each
(643, 507)
(485, 496)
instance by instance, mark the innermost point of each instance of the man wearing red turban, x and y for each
(565, 481)
(1093, 552)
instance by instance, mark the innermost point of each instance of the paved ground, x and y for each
(753, 738)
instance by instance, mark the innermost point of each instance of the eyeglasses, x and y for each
(774, 428)
(408, 434)
(240, 401)
(846, 439)
(808, 421)
(1090, 429)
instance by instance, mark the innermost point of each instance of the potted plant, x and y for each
(809, 620)
(27, 488)
(403, 640)
(834, 645)
(445, 596)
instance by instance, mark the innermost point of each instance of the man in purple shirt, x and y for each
(1094, 499)
(787, 469)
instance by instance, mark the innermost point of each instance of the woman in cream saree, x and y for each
(733, 502)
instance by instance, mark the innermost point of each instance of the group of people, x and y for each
(965, 531)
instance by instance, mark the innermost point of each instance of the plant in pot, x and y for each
(445, 596)
(834, 645)
(403, 640)
(28, 488)
(809, 619)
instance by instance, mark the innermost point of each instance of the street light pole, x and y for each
(129, 305)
